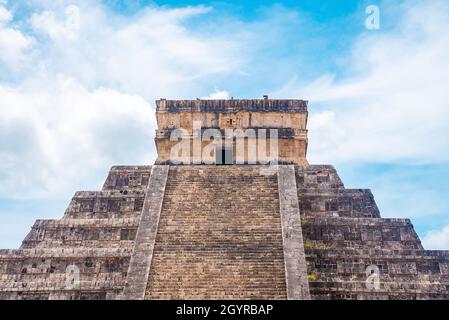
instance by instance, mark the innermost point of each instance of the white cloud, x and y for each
(394, 107)
(218, 94)
(437, 239)
(66, 27)
(152, 54)
(5, 15)
(13, 43)
(66, 135)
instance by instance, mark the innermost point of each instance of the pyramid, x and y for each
(219, 217)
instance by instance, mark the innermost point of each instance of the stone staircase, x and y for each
(219, 236)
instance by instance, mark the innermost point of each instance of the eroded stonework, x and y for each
(237, 125)
(224, 232)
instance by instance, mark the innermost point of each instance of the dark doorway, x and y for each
(223, 156)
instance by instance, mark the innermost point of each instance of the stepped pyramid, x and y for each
(225, 225)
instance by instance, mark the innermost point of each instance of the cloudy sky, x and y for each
(78, 80)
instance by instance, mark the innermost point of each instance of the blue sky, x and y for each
(78, 80)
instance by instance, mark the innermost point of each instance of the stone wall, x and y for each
(287, 117)
(96, 235)
(344, 235)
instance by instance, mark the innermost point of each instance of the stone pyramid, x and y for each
(193, 229)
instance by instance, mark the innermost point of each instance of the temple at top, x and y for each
(231, 131)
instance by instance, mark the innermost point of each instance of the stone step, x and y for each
(50, 282)
(127, 177)
(338, 203)
(110, 204)
(442, 255)
(333, 291)
(332, 232)
(64, 243)
(313, 177)
(87, 223)
(9, 254)
(83, 294)
(82, 232)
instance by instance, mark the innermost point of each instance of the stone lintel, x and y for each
(140, 264)
(232, 105)
(294, 256)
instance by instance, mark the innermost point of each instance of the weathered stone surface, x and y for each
(294, 257)
(141, 259)
(219, 236)
(41, 273)
(96, 235)
(225, 232)
(238, 124)
(344, 235)
(234, 105)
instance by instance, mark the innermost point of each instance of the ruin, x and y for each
(279, 230)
